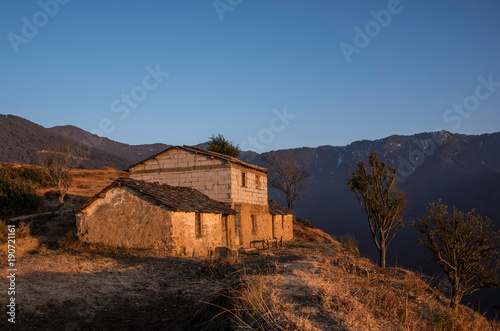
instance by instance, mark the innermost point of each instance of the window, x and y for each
(257, 182)
(282, 221)
(254, 224)
(243, 179)
(197, 225)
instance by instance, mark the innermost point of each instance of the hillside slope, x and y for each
(132, 153)
(315, 235)
(22, 140)
(303, 287)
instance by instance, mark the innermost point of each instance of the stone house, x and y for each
(240, 185)
(187, 201)
(138, 214)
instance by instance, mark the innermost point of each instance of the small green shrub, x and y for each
(17, 192)
(36, 176)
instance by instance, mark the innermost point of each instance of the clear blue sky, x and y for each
(76, 64)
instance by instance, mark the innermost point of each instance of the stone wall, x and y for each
(251, 193)
(177, 167)
(218, 179)
(123, 219)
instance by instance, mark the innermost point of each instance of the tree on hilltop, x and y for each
(383, 203)
(219, 144)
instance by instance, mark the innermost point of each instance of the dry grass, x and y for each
(90, 182)
(85, 184)
(56, 289)
(334, 291)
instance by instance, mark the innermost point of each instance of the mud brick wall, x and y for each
(263, 231)
(123, 219)
(283, 226)
(185, 241)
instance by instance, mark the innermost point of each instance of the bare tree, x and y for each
(58, 163)
(286, 175)
(382, 202)
(465, 245)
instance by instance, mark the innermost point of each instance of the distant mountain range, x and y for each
(462, 170)
(22, 140)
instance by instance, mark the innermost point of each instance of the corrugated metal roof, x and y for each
(173, 198)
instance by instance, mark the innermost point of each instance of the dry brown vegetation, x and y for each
(311, 234)
(305, 286)
(90, 182)
(64, 284)
(313, 286)
(85, 184)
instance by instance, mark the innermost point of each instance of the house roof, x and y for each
(197, 150)
(173, 198)
(277, 209)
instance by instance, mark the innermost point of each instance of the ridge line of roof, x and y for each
(206, 152)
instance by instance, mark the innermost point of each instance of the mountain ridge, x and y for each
(133, 153)
(22, 140)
